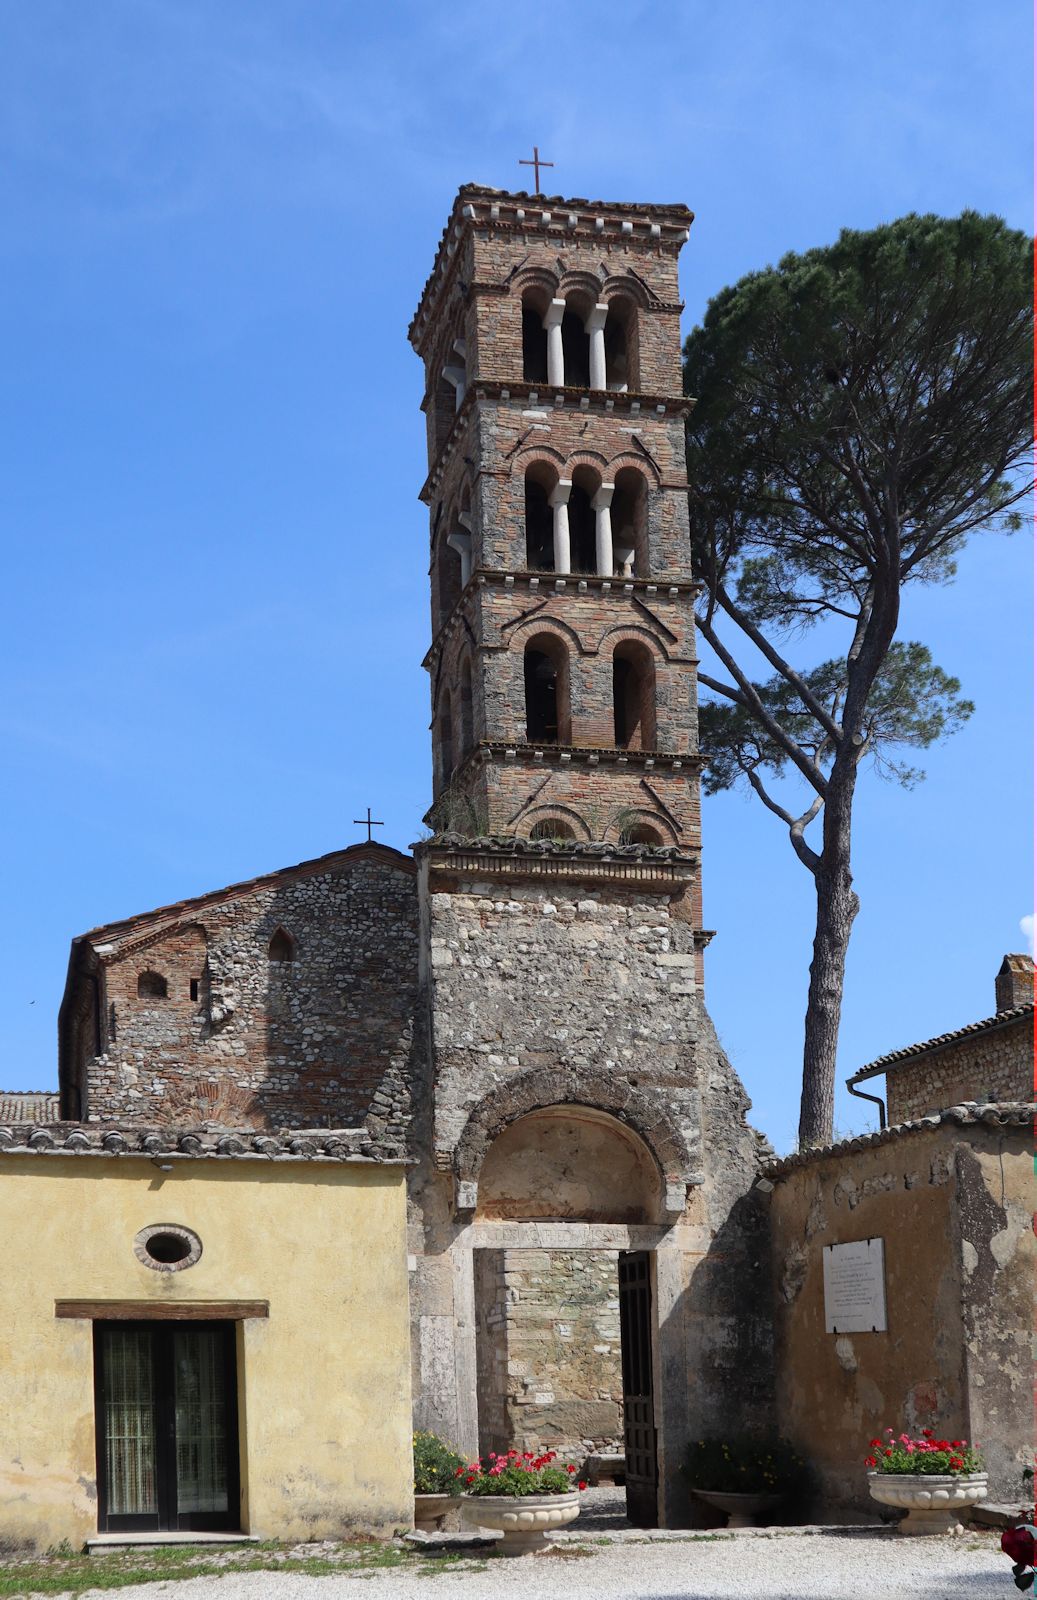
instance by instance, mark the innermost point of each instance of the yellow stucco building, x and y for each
(201, 1332)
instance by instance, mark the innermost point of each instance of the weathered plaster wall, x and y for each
(959, 1273)
(986, 1067)
(325, 1425)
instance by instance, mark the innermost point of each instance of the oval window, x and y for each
(167, 1247)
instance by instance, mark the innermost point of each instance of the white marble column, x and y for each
(555, 356)
(602, 504)
(558, 500)
(595, 326)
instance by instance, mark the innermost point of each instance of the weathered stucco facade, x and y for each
(288, 1241)
(951, 1196)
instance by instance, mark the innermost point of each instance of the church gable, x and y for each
(284, 1002)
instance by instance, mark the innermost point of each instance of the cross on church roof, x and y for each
(368, 823)
(536, 164)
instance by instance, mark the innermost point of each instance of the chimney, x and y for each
(1013, 985)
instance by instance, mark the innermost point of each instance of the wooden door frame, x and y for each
(167, 1518)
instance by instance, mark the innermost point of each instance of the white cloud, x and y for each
(1026, 924)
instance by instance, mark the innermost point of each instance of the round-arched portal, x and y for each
(569, 1163)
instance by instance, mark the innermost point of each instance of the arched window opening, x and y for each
(576, 351)
(620, 345)
(539, 521)
(546, 672)
(640, 833)
(583, 521)
(282, 947)
(448, 572)
(152, 986)
(445, 742)
(534, 339)
(467, 723)
(548, 829)
(633, 697)
(629, 524)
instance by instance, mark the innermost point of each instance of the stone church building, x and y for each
(488, 1060)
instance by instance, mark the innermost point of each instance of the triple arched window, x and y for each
(582, 525)
(577, 341)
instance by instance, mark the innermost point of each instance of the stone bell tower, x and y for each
(563, 657)
(573, 1078)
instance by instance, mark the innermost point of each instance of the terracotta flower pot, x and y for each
(432, 1510)
(742, 1510)
(525, 1522)
(932, 1501)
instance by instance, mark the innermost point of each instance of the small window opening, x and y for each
(551, 830)
(633, 698)
(167, 1248)
(540, 552)
(152, 986)
(576, 352)
(195, 988)
(582, 530)
(534, 345)
(282, 948)
(640, 834)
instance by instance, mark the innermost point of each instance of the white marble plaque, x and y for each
(855, 1287)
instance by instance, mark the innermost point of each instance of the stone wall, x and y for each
(986, 1066)
(549, 1351)
(321, 1039)
(953, 1205)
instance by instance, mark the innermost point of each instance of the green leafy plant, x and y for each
(435, 1465)
(744, 1466)
(902, 1454)
(518, 1475)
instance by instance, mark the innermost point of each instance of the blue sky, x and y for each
(216, 222)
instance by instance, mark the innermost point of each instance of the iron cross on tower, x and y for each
(367, 822)
(536, 164)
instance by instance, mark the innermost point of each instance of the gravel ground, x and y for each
(778, 1566)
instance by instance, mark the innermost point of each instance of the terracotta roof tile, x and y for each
(36, 1106)
(996, 1114)
(1000, 1019)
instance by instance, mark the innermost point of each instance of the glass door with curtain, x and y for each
(166, 1426)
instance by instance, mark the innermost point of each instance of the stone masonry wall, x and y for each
(984, 1067)
(321, 1040)
(535, 975)
(549, 1351)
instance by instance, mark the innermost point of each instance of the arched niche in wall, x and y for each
(569, 1163)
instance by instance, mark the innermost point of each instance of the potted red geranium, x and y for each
(526, 1498)
(931, 1479)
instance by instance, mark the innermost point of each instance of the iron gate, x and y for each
(635, 1326)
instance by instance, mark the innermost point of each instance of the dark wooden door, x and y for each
(635, 1327)
(167, 1448)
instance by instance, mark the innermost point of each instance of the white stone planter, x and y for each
(741, 1510)
(932, 1501)
(432, 1510)
(525, 1522)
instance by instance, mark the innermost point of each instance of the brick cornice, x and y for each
(592, 402)
(637, 866)
(542, 585)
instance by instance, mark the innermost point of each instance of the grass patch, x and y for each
(61, 1573)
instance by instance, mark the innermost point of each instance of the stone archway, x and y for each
(569, 1163)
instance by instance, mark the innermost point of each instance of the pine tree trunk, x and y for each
(837, 906)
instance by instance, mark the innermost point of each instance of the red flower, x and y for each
(887, 1452)
(570, 1468)
(581, 1484)
(876, 1444)
(869, 1461)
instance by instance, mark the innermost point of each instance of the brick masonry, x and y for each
(994, 1065)
(323, 1039)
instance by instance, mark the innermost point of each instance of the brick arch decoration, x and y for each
(640, 464)
(635, 634)
(651, 819)
(534, 278)
(537, 455)
(529, 818)
(579, 283)
(622, 287)
(547, 1087)
(525, 628)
